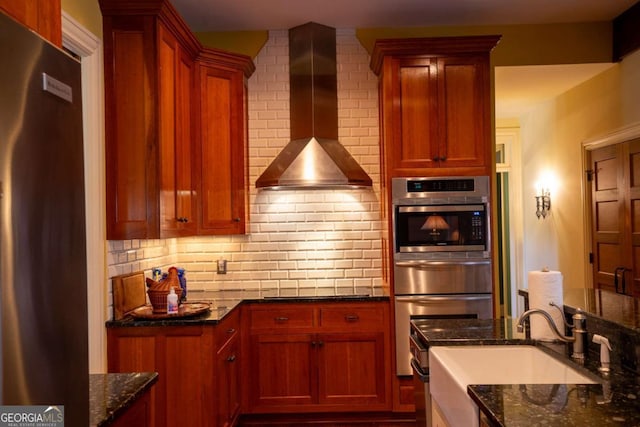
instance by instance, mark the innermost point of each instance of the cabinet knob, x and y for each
(183, 219)
(313, 343)
(236, 219)
(231, 331)
(281, 319)
(231, 358)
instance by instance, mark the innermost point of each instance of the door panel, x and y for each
(616, 217)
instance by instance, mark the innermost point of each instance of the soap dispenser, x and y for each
(605, 348)
(172, 302)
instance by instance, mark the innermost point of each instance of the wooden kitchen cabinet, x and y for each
(149, 76)
(318, 357)
(157, 178)
(198, 369)
(435, 106)
(183, 357)
(222, 164)
(42, 16)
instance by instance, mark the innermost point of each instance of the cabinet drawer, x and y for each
(282, 317)
(353, 317)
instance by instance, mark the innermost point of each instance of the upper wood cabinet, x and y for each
(42, 16)
(435, 106)
(154, 96)
(222, 145)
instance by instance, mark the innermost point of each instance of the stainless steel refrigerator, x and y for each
(42, 227)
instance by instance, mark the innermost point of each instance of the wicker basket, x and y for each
(158, 298)
(158, 291)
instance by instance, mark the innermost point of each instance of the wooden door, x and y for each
(351, 369)
(615, 189)
(284, 370)
(175, 85)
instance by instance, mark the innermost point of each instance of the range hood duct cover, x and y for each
(314, 158)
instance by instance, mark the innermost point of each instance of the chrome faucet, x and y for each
(579, 332)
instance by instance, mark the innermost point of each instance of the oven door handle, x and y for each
(426, 264)
(439, 298)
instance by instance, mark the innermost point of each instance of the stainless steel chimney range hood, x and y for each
(314, 158)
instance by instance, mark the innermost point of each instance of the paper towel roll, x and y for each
(545, 286)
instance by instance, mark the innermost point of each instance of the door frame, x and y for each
(617, 136)
(510, 136)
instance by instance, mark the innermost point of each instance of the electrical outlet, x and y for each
(222, 266)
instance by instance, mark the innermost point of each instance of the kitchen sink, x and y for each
(452, 369)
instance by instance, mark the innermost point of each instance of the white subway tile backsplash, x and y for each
(300, 243)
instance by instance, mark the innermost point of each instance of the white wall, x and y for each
(299, 242)
(552, 137)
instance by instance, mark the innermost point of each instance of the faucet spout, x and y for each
(579, 333)
(549, 320)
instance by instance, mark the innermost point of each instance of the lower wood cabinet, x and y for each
(318, 357)
(138, 414)
(197, 369)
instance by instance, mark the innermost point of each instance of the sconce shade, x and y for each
(435, 222)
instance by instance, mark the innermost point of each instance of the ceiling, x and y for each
(517, 88)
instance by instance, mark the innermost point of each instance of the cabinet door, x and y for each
(130, 150)
(351, 370)
(222, 154)
(284, 373)
(136, 353)
(42, 16)
(175, 81)
(184, 360)
(416, 143)
(228, 390)
(463, 97)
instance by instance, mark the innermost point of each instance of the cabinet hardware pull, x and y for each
(236, 219)
(231, 331)
(231, 358)
(281, 319)
(313, 343)
(183, 219)
(351, 318)
(320, 344)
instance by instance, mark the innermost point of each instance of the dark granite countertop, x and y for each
(222, 307)
(612, 402)
(111, 394)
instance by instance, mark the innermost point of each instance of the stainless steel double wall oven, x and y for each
(442, 257)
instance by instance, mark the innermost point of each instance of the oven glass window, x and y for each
(459, 228)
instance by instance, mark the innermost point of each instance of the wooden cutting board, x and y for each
(129, 293)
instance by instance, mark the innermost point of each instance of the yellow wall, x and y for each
(86, 12)
(552, 137)
(521, 44)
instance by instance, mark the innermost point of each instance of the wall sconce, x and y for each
(543, 203)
